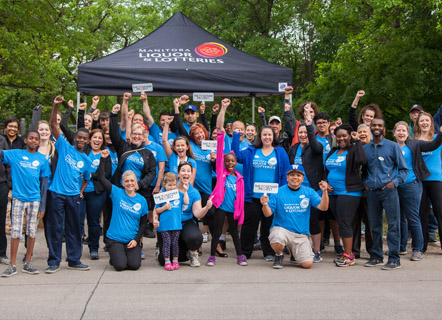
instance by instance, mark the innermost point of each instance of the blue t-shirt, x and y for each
(171, 219)
(298, 161)
(203, 179)
(122, 133)
(433, 161)
(229, 195)
(95, 159)
(325, 147)
(194, 196)
(114, 160)
(291, 209)
(406, 151)
(174, 162)
(135, 163)
(157, 135)
(126, 214)
(72, 167)
(264, 169)
(336, 165)
(160, 156)
(26, 170)
(187, 127)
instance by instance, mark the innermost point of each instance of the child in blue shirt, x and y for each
(169, 221)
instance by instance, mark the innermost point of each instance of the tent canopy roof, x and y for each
(180, 57)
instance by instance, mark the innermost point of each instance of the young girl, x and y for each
(228, 198)
(169, 222)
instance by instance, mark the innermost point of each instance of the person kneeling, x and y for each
(129, 219)
(291, 209)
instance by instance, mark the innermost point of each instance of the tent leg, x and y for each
(78, 102)
(253, 109)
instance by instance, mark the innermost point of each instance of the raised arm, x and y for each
(146, 110)
(213, 119)
(53, 122)
(36, 116)
(262, 115)
(177, 115)
(124, 110)
(203, 116)
(323, 205)
(129, 118)
(100, 172)
(352, 117)
(225, 103)
(81, 110)
(166, 145)
(113, 129)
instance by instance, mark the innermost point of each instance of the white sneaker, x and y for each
(194, 261)
(205, 237)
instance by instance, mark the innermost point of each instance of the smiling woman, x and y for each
(14, 141)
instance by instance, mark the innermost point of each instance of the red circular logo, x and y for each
(211, 50)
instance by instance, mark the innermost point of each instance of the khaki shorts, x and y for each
(298, 244)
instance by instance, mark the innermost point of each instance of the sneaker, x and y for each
(318, 257)
(416, 255)
(391, 265)
(211, 261)
(94, 255)
(241, 260)
(269, 258)
(28, 268)
(10, 271)
(374, 262)
(148, 232)
(403, 253)
(168, 266)
(52, 269)
(346, 260)
(175, 265)
(205, 237)
(193, 256)
(5, 260)
(79, 267)
(277, 263)
(339, 250)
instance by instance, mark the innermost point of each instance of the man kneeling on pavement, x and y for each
(291, 220)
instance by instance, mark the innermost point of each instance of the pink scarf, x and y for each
(220, 188)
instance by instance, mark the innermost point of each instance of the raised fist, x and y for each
(58, 100)
(360, 93)
(288, 90)
(82, 106)
(225, 103)
(261, 110)
(143, 96)
(127, 96)
(116, 108)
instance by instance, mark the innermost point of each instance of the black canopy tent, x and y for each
(180, 57)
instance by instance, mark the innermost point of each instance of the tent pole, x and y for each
(253, 109)
(78, 102)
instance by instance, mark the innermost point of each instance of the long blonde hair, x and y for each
(51, 148)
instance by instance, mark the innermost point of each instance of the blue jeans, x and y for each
(93, 204)
(58, 205)
(410, 196)
(388, 200)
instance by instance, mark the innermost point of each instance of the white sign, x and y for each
(281, 86)
(203, 96)
(208, 145)
(166, 196)
(146, 87)
(263, 187)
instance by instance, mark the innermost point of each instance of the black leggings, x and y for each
(121, 257)
(344, 209)
(190, 239)
(431, 190)
(361, 216)
(208, 218)
(252, 215)
(218, 222)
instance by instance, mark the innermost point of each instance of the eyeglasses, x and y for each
(12, 126)
(321, 123)
(137, 134)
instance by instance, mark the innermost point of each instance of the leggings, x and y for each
(315, 228)
(170, 238)
(344, 209)
(431, 190)
(190, 239)
(218, 221)
(361, 215)
(121, 257)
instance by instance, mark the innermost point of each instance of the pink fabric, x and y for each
(220, 188)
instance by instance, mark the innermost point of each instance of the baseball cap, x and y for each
(275, 118)
(416, 107)
(296, 168)
(190, 107)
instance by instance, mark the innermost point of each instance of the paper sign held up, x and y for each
(208, 145)
(146, 87)
(166, 196)
(203, 96)
(262, 187)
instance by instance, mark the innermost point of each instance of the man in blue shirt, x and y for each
(30, 172)
(291, 220)
(72, 172)
(385, 170)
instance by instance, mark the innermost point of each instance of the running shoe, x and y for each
(241, 260)
(28, 268)
(317, 258)
(391, 266)
(416, 255)
(373, 262)
(211, 261)
(346, 260)
(205, 237)
(277, 263)
(10, 271)
(194, 261)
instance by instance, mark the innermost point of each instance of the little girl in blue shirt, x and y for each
(167, 220)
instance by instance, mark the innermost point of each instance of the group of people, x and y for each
(291, 186)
